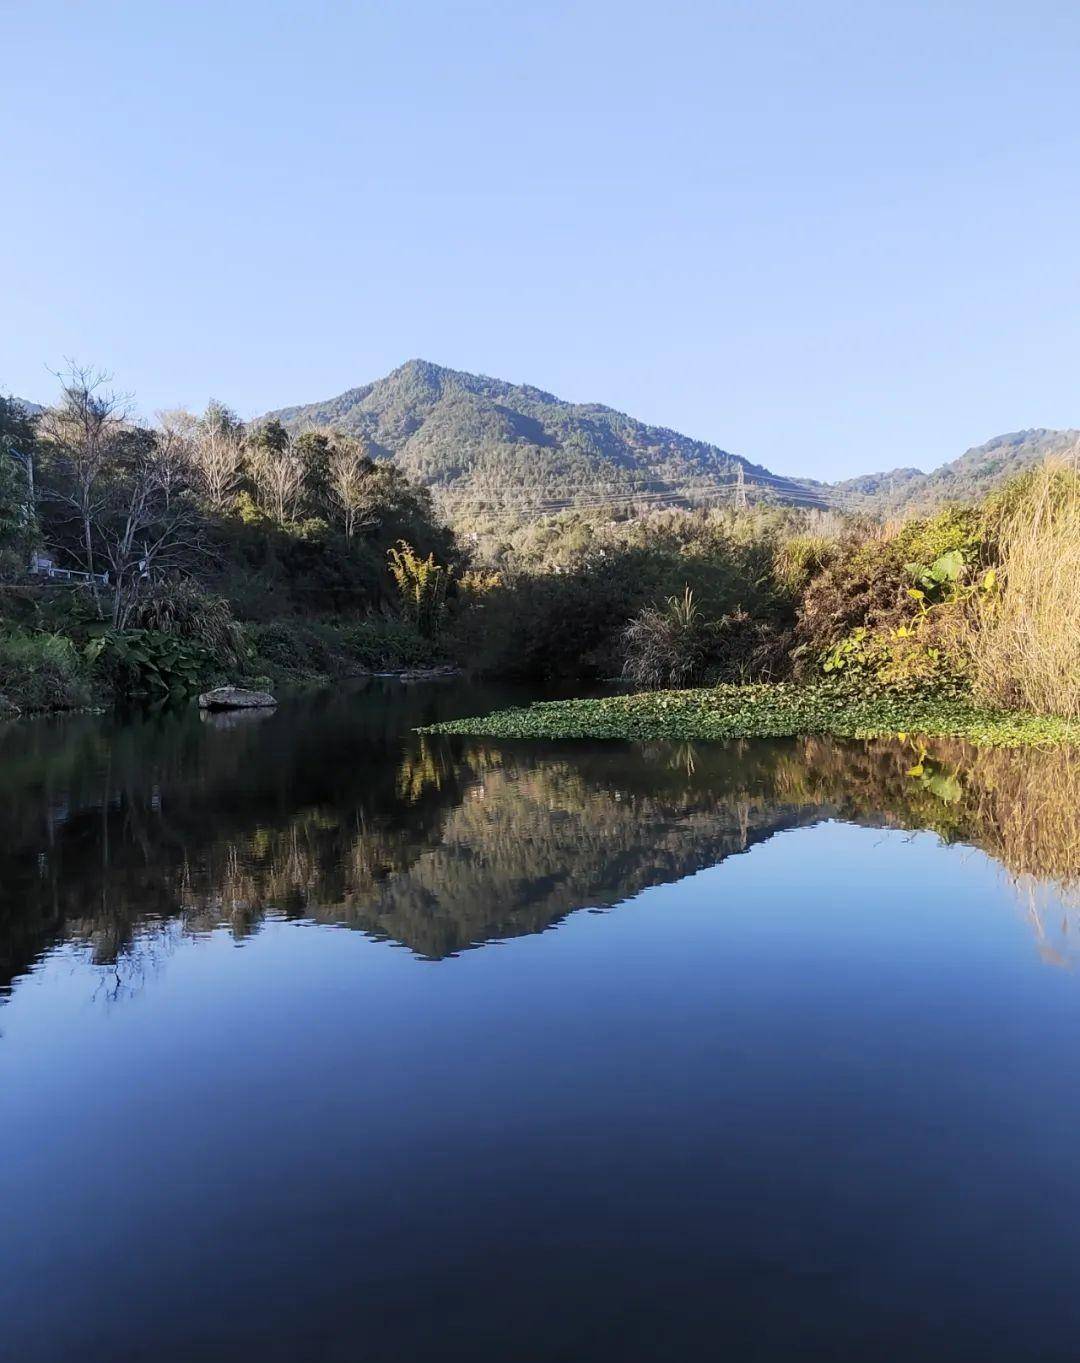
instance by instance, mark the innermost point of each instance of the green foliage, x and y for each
(16, 434)
(561, 602)
(888, 609)
(799, 559)
(41, 671)
(422, 584)
(140, 662)
(287, 649)
(940, 579)
(297, 650)
(180, 607)
(765, 711)
(12, 498)
(382, 644)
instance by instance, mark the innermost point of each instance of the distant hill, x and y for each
(967, 479)
(482, 443)
(30, 408)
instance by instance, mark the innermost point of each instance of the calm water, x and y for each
(320, 1041)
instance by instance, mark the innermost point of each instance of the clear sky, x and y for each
(832, 237)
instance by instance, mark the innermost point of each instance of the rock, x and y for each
(235, 698)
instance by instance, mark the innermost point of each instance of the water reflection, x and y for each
(118, 835)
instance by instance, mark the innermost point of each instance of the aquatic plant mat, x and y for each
(776, 710)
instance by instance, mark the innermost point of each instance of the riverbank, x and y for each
(766, 710)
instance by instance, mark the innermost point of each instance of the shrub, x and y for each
(381, 644)
(287, 647)
(667, 645)
(866, 583)
(180, 607)
(745, 649)
(139, 662)
(41, 671)
(800, 559)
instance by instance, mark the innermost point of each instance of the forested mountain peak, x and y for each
(485, 444)
(481, 442)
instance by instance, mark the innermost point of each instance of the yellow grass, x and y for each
(1026, 642)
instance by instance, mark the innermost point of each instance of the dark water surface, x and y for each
(322, 1041)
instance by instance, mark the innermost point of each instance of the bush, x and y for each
(667, 645)
(41, 671)
(866, 582)
(382, 644)
(287, 648)
(800, 559)
(180, 607)
(293, 648)
(422, 585)
(140, 662)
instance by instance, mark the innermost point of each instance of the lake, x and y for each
(322, 1040)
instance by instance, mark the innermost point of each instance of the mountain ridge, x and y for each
(484, 443)
(474, 438)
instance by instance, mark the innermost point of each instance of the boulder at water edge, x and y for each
(235, 698)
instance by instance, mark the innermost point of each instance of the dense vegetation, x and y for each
(212, 551)
(768, 710)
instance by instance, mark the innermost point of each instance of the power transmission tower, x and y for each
(740, 491)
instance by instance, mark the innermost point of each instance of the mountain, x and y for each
(967, 479)
(480, 444)
(485, 445)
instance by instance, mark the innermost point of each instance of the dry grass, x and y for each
(1025, 645)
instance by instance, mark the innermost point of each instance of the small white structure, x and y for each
(41, 565)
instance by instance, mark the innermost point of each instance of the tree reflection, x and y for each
(118, 835)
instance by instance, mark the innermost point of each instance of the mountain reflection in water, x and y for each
(332, 810)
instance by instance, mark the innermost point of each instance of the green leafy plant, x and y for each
(147, 662)
(769, 710)
(180, 607)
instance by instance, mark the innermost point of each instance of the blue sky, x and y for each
(832, 237)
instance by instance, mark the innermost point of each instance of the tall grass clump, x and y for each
(666, 645)
(180, 607)
(1025, 641)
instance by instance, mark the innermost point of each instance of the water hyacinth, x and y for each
(767, 710)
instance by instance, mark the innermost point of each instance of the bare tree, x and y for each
(149, 525)
(82, 433)
(277, 472)
(349, 478)
(217, 454)
(175, 435)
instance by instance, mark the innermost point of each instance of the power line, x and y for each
(597, 499)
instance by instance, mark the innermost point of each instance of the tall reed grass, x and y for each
(1025, 640)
